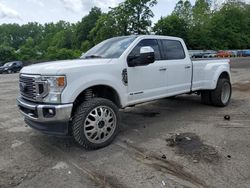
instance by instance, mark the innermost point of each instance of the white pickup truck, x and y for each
(81, 97)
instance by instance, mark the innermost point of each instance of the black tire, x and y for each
(216, 95)
(206, 97)
(80, 116)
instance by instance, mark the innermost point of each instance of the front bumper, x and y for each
(47, 118)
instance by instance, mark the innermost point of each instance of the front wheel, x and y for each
(222, 94)
(95, 123)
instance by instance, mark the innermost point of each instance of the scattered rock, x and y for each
(60, 165)
(163, 183)
(16, 143)
(163, 156)
(229, 156)
(227, 117)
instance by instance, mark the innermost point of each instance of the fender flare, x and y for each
(218, 73)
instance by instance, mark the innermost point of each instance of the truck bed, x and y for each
(205, 72)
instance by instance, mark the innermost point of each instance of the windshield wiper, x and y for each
(93, 56)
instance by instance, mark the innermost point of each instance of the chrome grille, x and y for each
(28, 87)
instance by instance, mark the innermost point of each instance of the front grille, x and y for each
(28, 87)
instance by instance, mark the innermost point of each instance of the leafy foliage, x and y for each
(7, 53)
(202, 25)
(206, 28)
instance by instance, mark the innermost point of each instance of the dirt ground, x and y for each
(174, 143)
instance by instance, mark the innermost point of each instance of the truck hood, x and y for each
(62, 67)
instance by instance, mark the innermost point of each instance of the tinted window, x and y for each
(173, 49)
(7, 64)
(147, 42)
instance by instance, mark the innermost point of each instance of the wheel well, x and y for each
(225, 75)
(101, 91)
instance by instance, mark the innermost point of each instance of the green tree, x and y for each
(183, 9)
(172, 25)
(231, 26)
(28, 51)
(129, 17)
(86, 25)
(106, 27)
(7, 53)
(199, 35)
(62, 54)
(139, 15)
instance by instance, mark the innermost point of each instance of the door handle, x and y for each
(187, 67)
(162, 69)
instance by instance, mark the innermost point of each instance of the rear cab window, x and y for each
(172, 49)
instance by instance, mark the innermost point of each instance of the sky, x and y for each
(44, 11)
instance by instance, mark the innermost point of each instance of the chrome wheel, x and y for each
(225, 92)
(100, 124)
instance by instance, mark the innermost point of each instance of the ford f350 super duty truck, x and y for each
(81, 97)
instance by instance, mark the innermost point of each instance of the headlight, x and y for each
(55, 86)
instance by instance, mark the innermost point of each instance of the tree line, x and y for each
(204, 25)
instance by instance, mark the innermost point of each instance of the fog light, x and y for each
(49, 112)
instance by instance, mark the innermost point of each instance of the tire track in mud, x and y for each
(104, 181)
(166, 166)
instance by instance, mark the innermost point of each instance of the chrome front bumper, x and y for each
(38, 116)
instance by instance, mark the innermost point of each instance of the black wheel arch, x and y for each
(102, 91)
(224, 75)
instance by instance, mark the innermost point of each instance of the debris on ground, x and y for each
(227, 117)
(163, 156)
(190, 145)
(163, 183)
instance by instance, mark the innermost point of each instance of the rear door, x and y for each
(179, 67)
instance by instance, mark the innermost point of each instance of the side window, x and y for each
(173, 49)
(147, 42)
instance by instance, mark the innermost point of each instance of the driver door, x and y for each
(149, 81)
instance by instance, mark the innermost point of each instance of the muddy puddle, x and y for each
(191, 146)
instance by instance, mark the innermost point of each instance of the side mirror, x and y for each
(147, 56)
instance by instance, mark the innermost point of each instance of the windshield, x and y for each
(111, 48)
(7, 64)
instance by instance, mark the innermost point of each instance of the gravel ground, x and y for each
(177, 143)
